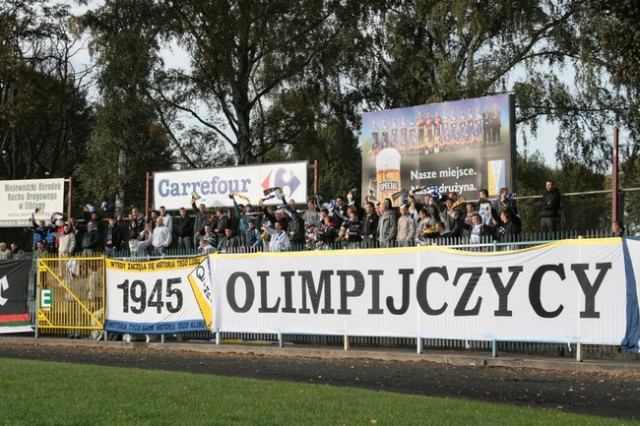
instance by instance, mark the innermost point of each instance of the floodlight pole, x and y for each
(70, 197)
(614, 178)
(315, 176)
(146, 195)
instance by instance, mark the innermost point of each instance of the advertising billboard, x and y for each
(461, 146)
(21, 198)
(173, 189)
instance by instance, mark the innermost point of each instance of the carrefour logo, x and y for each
(283, 178)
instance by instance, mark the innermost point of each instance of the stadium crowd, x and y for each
(408, 218)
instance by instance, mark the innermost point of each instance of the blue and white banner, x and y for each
(173, 189)
(569, 291)
(631, 341)
(156, 297)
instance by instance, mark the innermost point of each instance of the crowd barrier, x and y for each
(72, 299)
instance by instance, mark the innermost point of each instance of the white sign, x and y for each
(570, 291)
(21, 198)
(173, 189)
(155, 297)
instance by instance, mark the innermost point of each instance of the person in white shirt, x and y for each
(166, 218)
(279, 240)
(161, 239)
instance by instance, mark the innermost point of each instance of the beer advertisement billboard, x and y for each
(461, 146)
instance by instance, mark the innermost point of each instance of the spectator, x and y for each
(353, 228)
(230, 243)
(113, 237)
(138, 217)
(5, 253)
(252, 238)
(67, 239)
(406, 228)
(205, 248)
(123, 229)
(279, 240)
(142, 243)
(369, 225)
(184, 229)
(477, 230)
(39, 229)
(326, 235)
(484, 206)
(161, 238)
(387, 225)
(90, 239)
(222, 222)
(312, 216)
(507, 227)
(166, 218)
(40, 250)
(550, 208)
(617, 230)
(209, 236)
(198, 223)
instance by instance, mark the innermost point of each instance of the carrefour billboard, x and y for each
(460, 146)
(173, 189)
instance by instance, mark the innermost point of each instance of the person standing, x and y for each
(199, 221)
(90, 239)
(113, 238)
(550, 208)
(161, 238)
(230, 243)
(406, 228)
(166, 218)
(279, 239)
(387, 225)
(369, 225)
(184, 228)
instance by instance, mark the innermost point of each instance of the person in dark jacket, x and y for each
(90, 238)
(184, 229)
(113, 237)
(550, 208)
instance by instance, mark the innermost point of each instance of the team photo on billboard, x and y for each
(460, 146)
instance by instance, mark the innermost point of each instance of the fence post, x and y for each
(419, 346)
(494, 349)
(579, 352)
(346, 342)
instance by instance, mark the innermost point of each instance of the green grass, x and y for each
(35, 393)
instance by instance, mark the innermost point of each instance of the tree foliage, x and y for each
(288, 80)
(128, 139)
(243, 56)
(44, 116)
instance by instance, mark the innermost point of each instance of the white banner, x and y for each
(569, 291)
(173, 189)
(21, 198)
(157, 297)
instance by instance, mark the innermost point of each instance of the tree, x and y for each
(551, 55)
(128, 140)
(243, 54)
(44, 116)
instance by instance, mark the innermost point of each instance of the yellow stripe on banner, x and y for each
(392, 250)
(154, 265)
(205, 307)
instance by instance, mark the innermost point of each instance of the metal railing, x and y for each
(486, 244)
